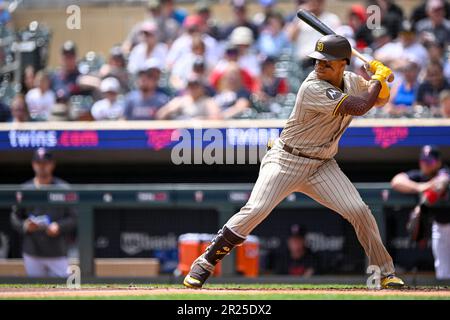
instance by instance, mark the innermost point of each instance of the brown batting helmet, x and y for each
(332, 47)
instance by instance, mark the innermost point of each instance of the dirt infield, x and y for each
(43, 293)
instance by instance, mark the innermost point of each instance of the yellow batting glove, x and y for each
(373, 65)
(382, 73)
(384, 92)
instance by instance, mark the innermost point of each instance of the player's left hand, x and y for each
(382, 73)
(373, 65)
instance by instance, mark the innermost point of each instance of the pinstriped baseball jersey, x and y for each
(314, 127)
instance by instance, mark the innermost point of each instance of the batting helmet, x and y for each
(332, 47)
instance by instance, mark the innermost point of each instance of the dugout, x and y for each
(136, 222)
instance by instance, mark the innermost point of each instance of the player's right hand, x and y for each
(385, 92)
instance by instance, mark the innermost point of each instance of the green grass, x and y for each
(238, 294)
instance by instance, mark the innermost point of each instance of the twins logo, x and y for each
(159, 139)
(386, 137)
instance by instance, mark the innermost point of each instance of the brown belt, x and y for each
(297, 153)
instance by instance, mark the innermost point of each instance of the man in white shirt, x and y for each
(111, 107)
(182, 45)
(40, 99)
(149, 48)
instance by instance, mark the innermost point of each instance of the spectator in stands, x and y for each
(5, 113)
(295, 258)
(407, 47)
(143, 103)
(305, 37)
(420, 11)
(391, 15)
(435, 27)
(242, 39)
(194, 104)
(19, 109)
(44, 227)
(169, 10)
(403, 92)
(436, 54)
(111, 107)
(232, 98)
(149, 48)
(428, 91)
(183, 44)
(41, 99)
(269, 85)
(431, 179)
(267, 8)
(240, 19)
(5, 17)
(200, 70)
(381, 38)
(231, 57)
(169, 27)
(273, 39)
(357, 18)
(65, 80)
(28, 81)
(183, 67)
(116, 67)
(444, 99)
(209, 26)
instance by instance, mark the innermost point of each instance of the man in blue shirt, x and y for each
(65, 80)
(143, 103)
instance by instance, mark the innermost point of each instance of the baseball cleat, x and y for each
(392, 282)
(196, 277)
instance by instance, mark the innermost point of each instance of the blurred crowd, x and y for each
(175, 65)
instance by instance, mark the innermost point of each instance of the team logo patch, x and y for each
(333, 94)
(319, 46)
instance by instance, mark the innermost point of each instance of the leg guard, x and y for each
(221, 245)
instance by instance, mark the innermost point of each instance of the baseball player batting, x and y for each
(302, 159)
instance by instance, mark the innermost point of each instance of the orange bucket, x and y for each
(247, 257)
(190, 247)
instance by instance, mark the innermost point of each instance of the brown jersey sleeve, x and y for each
(359, 105)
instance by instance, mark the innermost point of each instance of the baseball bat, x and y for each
(322, 28)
